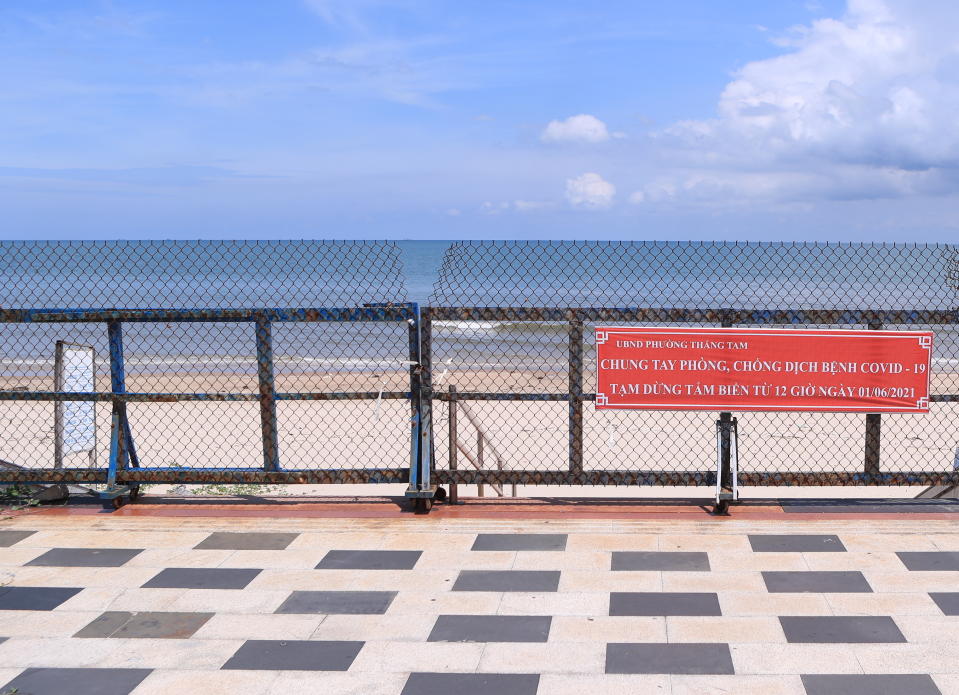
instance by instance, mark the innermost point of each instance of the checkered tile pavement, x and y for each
(420, 607)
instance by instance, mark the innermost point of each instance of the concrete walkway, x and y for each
(791, 604)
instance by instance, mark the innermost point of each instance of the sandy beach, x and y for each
(518, 435)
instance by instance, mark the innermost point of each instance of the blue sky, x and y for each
(439, 120)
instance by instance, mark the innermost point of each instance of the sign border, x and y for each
(922, 404)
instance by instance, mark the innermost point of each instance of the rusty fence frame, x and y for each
(124, 473)
(575, 396)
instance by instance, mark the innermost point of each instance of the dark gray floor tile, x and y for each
(490, 628)
(520, 541)
(8, 538)
(841, 629)
(202, 578)
(856, 684)
(506, 580)
(796, 543)
(930, 561)
(146, 625)
(948, 601)
(369, 560)
(338, 602)
(34, 598)
(653, 561)
(293, 655)
(471, 684)
(225, 540)
(85, 557)
(76, 681)
(816, 582)
(679, 658)
(663, 603)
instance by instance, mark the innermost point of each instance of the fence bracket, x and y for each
(727, 463)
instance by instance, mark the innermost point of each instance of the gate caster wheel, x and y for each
(114, 503)
(440, 494)
(721, 508)
(422, 505)
(134, 493)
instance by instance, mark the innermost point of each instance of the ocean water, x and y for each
(199, 274)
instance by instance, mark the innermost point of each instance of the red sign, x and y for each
(744, 369)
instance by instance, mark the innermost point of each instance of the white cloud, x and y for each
(581, 128)
(863, 106)
(590, 191)
(637, 198)
(531, 205)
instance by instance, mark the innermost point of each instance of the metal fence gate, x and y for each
(228, 394)
(512, 333)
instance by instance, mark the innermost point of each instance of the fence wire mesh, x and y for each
(508, 351)
(313, 360)
(511, 369)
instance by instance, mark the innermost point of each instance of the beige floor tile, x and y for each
(434, 603)
(109, 577)
(138, 599)
(14, 557)
(404, 657)
(938, 657)
(118, 539)
(929, 629)
(299, 580)
(166, 653)
(54, 652)
(393, 628)
(911, 582)
(724, 629)
(229, 601)
(725, 543)
(346, 540)
(96, 599)
(794, 658)
(587, 604)
(166, 682)
(612, 541)
(58, 623)
(569, 560)
(256, 626)
(612, 684)
(740, 603)
(180, 557)
(441, 541)
(417, 580)
(945, 541)
(883, 604)
(466, 560)
(602, 580)
(740, 685)
(604, 628)
(713, 581)
(887, 562)
(886, 542)
(273, 559)
(548, 657)
(948, 683)
(726, 561)
(333, 683)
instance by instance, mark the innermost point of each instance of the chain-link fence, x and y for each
(513, 353)
(302, 362)
(260, 361)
